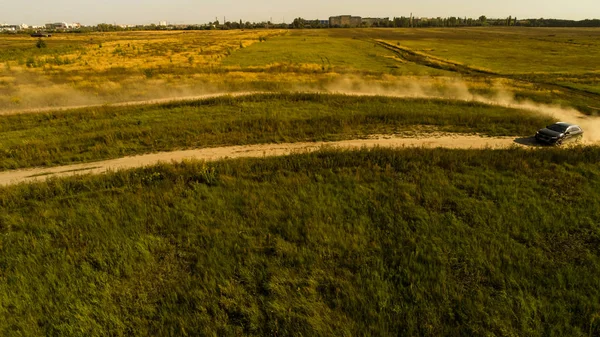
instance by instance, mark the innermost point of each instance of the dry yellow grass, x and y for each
(111, 67)
(98, 68)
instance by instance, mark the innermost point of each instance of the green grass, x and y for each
(505, 50)
(559, 63)
(54, 138)
(340, 55)
(560, 56)
(372, 242)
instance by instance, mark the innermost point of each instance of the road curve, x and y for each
(454, 141)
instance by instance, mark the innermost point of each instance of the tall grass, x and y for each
(371, 242)
(54, 138)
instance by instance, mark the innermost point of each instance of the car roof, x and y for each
(565, 124)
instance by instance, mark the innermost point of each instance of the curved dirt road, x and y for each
(456, 141)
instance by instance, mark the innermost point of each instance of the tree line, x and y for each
(396, 22)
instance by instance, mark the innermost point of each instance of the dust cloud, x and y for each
(458, 90)
(36, 94)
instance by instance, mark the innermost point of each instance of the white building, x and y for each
(7, 28)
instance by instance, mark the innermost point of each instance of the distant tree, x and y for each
(298, 23)
(401, 22)
(483, 20)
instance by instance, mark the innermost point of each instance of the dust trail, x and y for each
(408, 87)
(131, 103)
(458, 90)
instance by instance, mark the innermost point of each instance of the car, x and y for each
(41, 34)
(559, 133)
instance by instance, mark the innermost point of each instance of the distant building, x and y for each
(7, 28)
(378, 22)
(162, 23)
(58, 25)
(345, 21)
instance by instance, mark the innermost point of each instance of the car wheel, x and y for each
(558, 142)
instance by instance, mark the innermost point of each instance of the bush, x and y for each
(30, 63)
(149, 73)
(41, 43)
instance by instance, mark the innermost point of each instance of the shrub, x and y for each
(41, 43)
(30, 63)
(149, 73)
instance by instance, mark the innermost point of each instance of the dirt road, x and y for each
(591, 126)
(262, 150)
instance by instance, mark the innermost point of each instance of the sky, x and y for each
(37, 12)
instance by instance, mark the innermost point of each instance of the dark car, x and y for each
(41, 34)
(559, 133)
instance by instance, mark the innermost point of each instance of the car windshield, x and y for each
(557, 127)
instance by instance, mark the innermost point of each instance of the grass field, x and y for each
(322, 52)
(102, 67)
(349, 243)
(422, 242)
(546, 65)
(55, 138)
(507, 51)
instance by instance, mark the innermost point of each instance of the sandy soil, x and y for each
(454, 141)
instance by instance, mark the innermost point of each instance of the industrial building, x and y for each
(345, 21)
